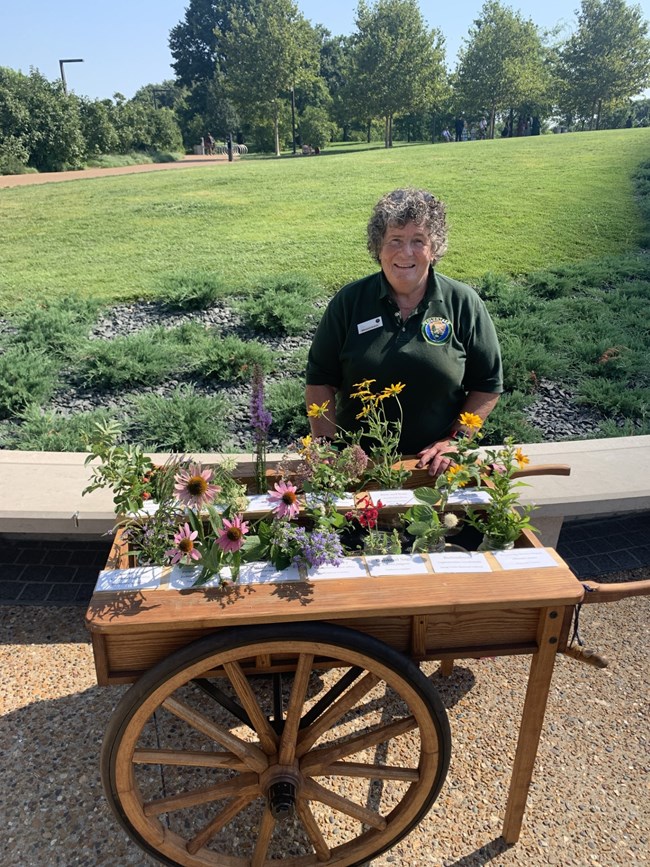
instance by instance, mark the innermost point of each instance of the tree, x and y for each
(37, 115)
(396, 61)
(270, 50)
(606, 60)
(502, 65)
(196, 42)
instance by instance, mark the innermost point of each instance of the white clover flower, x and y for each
(450, 521)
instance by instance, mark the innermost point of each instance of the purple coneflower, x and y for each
(192, 486)
(286, 501)
(231, 538)
(184, 541)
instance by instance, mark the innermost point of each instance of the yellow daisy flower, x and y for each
(451, 474)
(521, 458)
(306, 441)
(364, 412)
(317, 411)
(365, 385)
(471, 420)
(393, 389)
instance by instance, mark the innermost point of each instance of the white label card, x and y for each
(137, 578)
(266, 573)
(459, 561)
(351, 567)
(525, 558)
(468, 497)
(260, 503)
(183, 577)
(396, 564)
(369, 325)
(392, 498)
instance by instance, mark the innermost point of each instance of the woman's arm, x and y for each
(480, 403)
(325, 425)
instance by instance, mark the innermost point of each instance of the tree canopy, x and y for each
(606, 60)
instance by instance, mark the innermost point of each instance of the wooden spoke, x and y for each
(311, 734)
(317, 759)
(221, 819)
(315, 792)
(371, 772)
(192, 758)
(223, 790)
(215, 803)
(313, 831)
(268, 738)
(263, 839)
(251, 755)
(294, 711)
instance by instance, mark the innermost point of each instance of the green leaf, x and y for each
(428, 495)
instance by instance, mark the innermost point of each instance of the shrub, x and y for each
(146, 358)
(26, 376)
(281, 305)
(194, 290)
(181, 422)
(285, 401)
(56, 327)
(46, 431)
(230, 359)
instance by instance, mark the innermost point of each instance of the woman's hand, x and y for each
(435, 456)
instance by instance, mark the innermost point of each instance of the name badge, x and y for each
(369, 325)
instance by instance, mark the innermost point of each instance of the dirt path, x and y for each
(187, 162)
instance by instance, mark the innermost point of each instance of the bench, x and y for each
(40, 492)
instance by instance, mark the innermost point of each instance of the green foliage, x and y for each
(46, 431)
(26, 377)
(269, 49)
(606, 59)
(14, 155)
(57, 326)
(230, 359)
(396, 61)
(285, 400)
(192, 290)
(145, 358)
(125, 469)
(182, 421)
(316, 127)
(502, 64)
(282, 304)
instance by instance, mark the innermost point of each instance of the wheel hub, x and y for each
(281, 798)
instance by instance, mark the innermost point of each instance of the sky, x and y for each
(124, 45)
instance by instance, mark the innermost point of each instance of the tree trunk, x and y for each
(386, 131)
(493, 112)
(276, 132)
(368, 130)
(390, 130)
(598, 111)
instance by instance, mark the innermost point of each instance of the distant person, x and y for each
(482, 128)
(209, 148)
(459, 127)
(446, 134)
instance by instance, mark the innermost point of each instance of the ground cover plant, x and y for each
(178, 378)
(515, 205)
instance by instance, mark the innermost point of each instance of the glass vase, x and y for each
(489, 543)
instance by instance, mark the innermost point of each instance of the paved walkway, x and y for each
(188, 162)
(37, 572)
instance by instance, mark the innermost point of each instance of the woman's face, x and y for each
(405, 257)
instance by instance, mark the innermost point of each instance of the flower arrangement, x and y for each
(188, 515)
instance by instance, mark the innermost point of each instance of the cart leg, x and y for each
(446, 667)
(539, 681)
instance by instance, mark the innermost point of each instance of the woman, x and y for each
(407, 324)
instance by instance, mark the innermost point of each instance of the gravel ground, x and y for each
(555, 411)
(589, 802)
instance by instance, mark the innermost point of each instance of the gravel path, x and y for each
(188, 162)
(589, 803)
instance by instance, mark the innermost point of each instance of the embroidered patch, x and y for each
(437, 330)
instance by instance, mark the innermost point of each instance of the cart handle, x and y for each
(595, 592)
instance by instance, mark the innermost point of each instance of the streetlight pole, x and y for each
(61, 62)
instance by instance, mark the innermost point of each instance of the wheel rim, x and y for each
(333, 763)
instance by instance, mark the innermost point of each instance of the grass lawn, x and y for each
(514, 206)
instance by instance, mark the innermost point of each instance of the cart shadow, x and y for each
(124, 604)
(483, 855)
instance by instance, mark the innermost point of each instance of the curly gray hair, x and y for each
(408, 206)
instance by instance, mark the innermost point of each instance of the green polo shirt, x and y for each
(361, 336)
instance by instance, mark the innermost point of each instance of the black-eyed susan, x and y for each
(393, 390)
(521, 458)
(318, 410)
(471, 420)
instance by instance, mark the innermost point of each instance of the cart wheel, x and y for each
(207, 762)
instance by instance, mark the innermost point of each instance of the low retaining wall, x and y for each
(40, 492)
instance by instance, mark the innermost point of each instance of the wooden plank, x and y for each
(530, 729)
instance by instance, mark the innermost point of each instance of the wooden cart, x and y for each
(290, 725)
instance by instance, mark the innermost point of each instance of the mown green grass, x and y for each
(514, 206)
